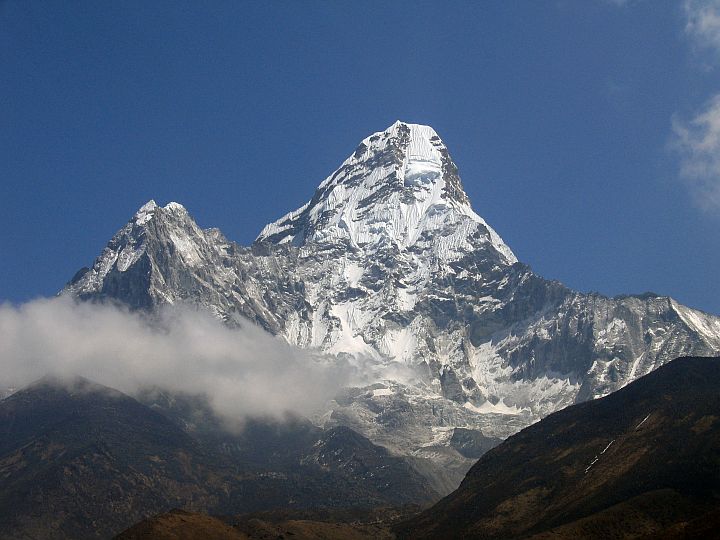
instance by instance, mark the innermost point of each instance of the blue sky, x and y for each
(587, 132)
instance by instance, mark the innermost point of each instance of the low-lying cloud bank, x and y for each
(244, 372)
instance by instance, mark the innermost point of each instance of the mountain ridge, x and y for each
(390, 269)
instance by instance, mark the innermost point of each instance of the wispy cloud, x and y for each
(244, 372)
(696, 137)
(703, 23)
(697, 140)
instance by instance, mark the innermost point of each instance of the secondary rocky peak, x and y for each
(148, 210)
(143, 256)
(148, 206)
(145, 213)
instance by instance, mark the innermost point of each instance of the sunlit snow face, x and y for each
(422, 172)
(397, 189)
(422, 166)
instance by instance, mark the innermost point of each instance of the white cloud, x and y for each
(698, 142)
(244, 372)
(697, 139)
(703, 23)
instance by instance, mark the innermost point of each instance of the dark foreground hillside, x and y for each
(181, 525)
(79, 460)
(643, 462)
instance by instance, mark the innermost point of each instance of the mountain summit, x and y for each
(389, 268)
(399, 187)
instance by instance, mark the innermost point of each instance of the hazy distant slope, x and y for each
(79, 460)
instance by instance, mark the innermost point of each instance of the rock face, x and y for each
(643, 462)
(388, 266)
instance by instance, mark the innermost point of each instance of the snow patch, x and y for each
(498, 408)
(643, 421)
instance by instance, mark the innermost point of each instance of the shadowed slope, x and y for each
(640, 461)
(80, 460)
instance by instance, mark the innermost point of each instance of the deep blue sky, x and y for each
(558, 114)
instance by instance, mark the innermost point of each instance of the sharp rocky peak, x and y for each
(148, 210)
(398, 188)
(155, 239)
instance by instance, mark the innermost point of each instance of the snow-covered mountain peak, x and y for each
(148, 206)
(399, 188)
(417, 153)
(175, 207)
(418, 132)
(145, 213)
(148, 210)
(389, 267)
(154, 232)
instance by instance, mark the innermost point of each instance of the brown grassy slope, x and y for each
(181, 525)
